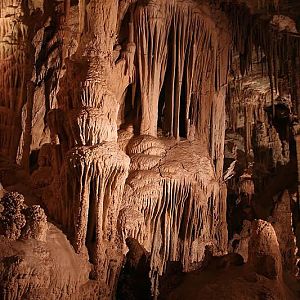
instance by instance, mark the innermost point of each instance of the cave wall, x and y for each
(123, 113)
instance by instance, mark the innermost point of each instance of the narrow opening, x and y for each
(91, 226)
(127, 113)
(124, 28)
(33, 160)
(183, 98)
(185, 220)
(166, 99)
(165, 107)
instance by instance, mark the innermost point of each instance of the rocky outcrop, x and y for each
(227, 276)
(12, 219)
(41, 270)
(36, 260)
(18, 221)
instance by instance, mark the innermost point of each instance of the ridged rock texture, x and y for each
(149, 144)
(15, 70)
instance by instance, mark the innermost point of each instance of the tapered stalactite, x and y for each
(81, 15)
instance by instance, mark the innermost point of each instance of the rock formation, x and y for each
(136, 135)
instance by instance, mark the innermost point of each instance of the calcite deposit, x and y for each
(149, 149)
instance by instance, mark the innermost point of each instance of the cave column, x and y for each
(95, 169)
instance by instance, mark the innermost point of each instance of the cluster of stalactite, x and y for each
(266, 98)
(277, 49)
(29, 67)
(181, 62)
(249, 112)
(182, 65)
(261, 149)
(94, 178)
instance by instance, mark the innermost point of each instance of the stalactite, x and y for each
(152, 26)
(90, 207)
(195, 62)
(267, 3)
(177, 209)
(81, 15)
(275, 45)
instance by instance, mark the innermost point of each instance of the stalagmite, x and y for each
(264, 253)
(282, 218)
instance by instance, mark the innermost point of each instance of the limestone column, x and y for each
(94, 169)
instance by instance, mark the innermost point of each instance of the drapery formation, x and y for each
(180, 52)
(179, 206)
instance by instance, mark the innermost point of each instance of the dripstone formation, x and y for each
(149, 149)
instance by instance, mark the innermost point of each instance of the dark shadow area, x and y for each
(134, 282)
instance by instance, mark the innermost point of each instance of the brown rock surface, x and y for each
(151, 132)
(264, 252)
(226, 278)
